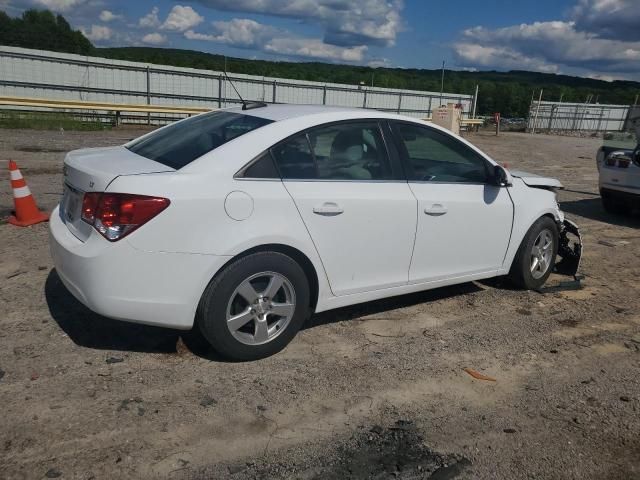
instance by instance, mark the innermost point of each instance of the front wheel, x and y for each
(536, 256)
(255, 306)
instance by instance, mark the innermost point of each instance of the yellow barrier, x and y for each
(112, 107)
(464, 122)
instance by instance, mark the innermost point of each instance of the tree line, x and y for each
(43, 30)
(507, 92)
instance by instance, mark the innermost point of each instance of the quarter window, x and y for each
(294, 158)
(434, 156)
(262, 167)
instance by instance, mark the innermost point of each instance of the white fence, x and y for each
(573, 117)
(52, 75)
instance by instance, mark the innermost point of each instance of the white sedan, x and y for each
(245, 221)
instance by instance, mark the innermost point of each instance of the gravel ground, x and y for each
(371, 391)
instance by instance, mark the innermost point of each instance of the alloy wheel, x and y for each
(260, 308)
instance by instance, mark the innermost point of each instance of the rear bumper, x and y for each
(121, 282)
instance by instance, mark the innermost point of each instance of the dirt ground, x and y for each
(371, 391)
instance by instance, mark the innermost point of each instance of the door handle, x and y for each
(436, 210)
(328, 209)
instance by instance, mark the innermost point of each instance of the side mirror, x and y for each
(500, 177)
(621, 158)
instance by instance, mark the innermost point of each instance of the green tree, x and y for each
(42, 29)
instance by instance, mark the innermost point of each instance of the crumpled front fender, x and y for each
(569, 249)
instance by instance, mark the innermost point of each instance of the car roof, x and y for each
(277, 112)
(287, 120)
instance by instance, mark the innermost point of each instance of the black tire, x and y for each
(520, 273)
(614, 205)
(211, 316)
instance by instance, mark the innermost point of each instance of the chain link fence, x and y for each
(576, 117)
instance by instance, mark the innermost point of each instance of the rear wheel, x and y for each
(536, 256)
(255, 306)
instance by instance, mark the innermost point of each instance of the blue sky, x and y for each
(596, 38)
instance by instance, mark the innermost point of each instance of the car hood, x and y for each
(533, 180)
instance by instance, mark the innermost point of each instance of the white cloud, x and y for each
(599, 76)
(548, 47)
(182, 18)
(59, 5)
(150, 20)
(239, 32)
(108, 16)
(346, 22)
(98, 33)
(315, 48)
(499, 57)
(246, 33)
(154, 38)
(379, 63)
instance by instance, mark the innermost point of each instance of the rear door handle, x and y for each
(328, 209)
(436, 210)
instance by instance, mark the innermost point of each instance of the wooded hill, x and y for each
(507, 92)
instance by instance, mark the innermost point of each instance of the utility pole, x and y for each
(225, 80)
(372, 74)
(475, 103)
(442, 84)
(535, 118)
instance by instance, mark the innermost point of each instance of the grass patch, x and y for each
(50, 121)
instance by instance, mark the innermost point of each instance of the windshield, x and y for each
(183, 142)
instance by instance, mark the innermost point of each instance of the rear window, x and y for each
(183, 142)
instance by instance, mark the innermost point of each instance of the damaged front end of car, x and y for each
(569, 249)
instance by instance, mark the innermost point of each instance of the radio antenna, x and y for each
(245, 105)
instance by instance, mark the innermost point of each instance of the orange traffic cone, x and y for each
(26, 212)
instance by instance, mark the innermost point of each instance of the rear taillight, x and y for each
(115, 215)
(89, 206)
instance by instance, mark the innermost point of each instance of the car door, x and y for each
(464, 221)
(354, 201)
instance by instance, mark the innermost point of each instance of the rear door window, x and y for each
(350, 151)
(353, 151)
(183, 142)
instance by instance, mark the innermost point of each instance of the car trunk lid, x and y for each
(92, 170)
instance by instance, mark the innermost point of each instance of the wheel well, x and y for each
(550, 215)
(547, 215)
(294, 253)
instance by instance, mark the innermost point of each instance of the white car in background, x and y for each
(619, 170)
(245, 221)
